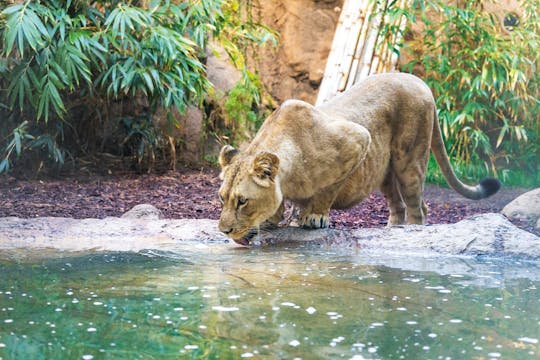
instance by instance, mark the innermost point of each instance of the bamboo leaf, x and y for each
(4, 166)
(148, 81)
(17, 141)
(12, 9)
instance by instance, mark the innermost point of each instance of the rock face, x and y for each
(489, 235)
(306, 29)
(525, 207)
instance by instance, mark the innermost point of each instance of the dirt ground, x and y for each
(192, 193)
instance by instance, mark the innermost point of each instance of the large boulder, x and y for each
(525, 207)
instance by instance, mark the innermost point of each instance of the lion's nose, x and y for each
(225, 229)
(225, 225)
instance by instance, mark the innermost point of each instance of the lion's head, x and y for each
(250, 192)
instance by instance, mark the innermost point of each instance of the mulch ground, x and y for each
(192, 193)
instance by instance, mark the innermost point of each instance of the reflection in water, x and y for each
(265, 303)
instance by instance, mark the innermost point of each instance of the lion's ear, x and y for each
(265, 168)
(226, 155)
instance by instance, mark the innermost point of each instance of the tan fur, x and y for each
(377, 135)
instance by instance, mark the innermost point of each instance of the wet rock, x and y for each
(490, 235)
(109, 234)
(525, 207)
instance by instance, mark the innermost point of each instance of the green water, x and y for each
(268, 304)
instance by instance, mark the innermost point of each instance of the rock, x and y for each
(525, 207)
(490, 235)
(480, 235)
(109, 234)
(306, 28)
(220, 71)
(143, 211)
(193, 133)
(185, 133)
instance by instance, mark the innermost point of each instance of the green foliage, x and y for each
(241, 107)
(64, 65)
(234, 118)
(52, 47)
(242, 112)
(486, 85)
(243, 33)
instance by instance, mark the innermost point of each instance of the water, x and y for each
(273, 303)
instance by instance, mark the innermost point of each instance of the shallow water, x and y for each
(277, 303)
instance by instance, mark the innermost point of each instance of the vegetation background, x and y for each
(84, 77)
(78, 78)
(485, 78)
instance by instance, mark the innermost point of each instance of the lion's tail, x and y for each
(486, 187)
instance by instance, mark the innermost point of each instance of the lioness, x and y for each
(376, 135)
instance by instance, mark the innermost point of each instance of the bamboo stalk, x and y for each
(394, 57)
(367, 9)
(392, 41)
(378, 51)
(369, 48)
(360, 10)
(331, 71)
(385, 64)
(378, 63)
(355, 52)
(348, 42)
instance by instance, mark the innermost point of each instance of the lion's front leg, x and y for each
(314, 219)
(316, 214)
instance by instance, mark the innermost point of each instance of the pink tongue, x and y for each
(242, 241)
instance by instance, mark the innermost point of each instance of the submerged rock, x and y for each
(489, 235)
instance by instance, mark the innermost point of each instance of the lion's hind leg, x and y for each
(390, 189)
(411, 184)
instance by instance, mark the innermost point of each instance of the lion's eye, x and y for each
(242, 201)
(221, 199)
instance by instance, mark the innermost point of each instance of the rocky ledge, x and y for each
(490, 235)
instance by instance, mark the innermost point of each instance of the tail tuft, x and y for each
(489, 186)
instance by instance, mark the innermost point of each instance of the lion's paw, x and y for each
(314, 221)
